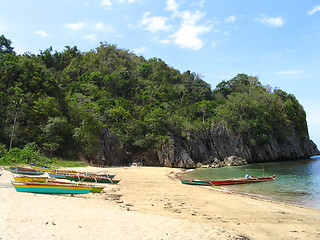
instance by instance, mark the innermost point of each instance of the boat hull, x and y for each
(196, 182)
(32, 179)
(63, 175)
(55, 175)
(27, 172)
(92, 179)
(54, 189)
(241, 180)
(102, 175)
(95, 188)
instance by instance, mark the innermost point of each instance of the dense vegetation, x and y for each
(59, 102)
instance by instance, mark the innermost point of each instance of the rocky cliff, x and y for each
(213, 147)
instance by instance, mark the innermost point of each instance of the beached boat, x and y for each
(44, 168)
(63, 173)
(25, 178)
(197, 182)
(66, 172)
(241, 180)
(55, 174)
(40, 167)
(96, 179)
(106, 175)
(50, 188)
(27, 171)
(95, 188)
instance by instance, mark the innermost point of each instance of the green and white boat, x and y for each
(50, 188)
(95, 179)
(197, 182)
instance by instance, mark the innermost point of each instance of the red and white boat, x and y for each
(241, 180)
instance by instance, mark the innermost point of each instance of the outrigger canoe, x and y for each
(61, 173)
(241, 180)
(27, 171)
(106, 175)
(64, 174)
(50, 188)
(95, 188)
(96, 179)
(197, 182)
(24, 178)
(44, 168)
(40, 167)
(58, 174)
(228, 181)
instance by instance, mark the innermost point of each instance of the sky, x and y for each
(277, 41)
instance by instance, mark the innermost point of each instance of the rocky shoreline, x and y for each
(215, 147)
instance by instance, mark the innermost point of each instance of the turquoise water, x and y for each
(297, 182)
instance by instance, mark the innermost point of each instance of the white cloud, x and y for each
(187, 29)
(290, 72)
(270, 21)
(172, 5)
(165, 41)
(201, 3)
(75, 26)
(41, 33)
(314, 10)
(155, 24)
(198, 3)
(106, 4)
(90, 37)
(99, 26)
(230, 19)
(103, 27)
(188, 36)
(140, 50)
(191, 18)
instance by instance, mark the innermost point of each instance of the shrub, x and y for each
(22, 156)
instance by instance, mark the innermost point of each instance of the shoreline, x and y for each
(295, 183)
(253, 196)
(151, 203)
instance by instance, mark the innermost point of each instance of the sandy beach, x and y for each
(150, 203)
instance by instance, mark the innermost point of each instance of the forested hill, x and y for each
(111, 107)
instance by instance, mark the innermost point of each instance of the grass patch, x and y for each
(28, 154)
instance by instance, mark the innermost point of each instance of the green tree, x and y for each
(57, 136)
(5, 45)
(68, 98)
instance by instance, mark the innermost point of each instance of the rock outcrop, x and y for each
(215, 147)
(110, 151)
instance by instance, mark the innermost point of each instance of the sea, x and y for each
(297, 181)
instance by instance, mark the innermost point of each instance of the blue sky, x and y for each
(278, 41)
